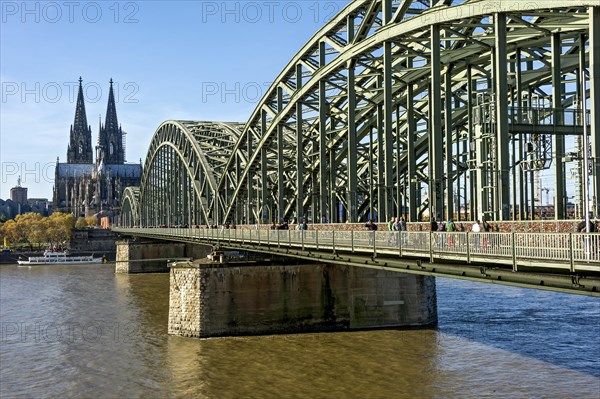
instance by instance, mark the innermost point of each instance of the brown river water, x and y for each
(85, 332)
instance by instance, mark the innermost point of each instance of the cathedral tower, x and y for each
(110, 148)
(80, 140)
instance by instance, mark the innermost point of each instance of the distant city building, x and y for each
(8, 209)
(40, 205)
(84, 187)
(18, 194)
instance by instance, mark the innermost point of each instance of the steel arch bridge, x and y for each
(417, 107)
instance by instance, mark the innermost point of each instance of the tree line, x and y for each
(37, 230)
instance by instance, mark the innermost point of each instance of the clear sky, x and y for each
(195, 60)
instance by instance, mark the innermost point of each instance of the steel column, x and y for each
(323, 110)
(352, 157)
(582, 90)
(473, 207)
(558, 141)
(266, 208)
(501, 93)
(352, 149)
(595, 106)
(411, 138)
(436, 166)
(386, 208)
(250, 219)
(448, 139)
(381, 189)
(280, 161)
(299, 150)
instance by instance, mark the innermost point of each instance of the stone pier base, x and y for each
(148, 256)
(209, 300)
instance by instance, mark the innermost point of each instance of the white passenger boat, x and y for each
(58, 258)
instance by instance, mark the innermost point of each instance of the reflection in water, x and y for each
(358, 364)
(377, 364)
(82, 331)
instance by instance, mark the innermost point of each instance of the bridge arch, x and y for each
(415, 94)
(130, 213)
(183, 165)
(449, 108)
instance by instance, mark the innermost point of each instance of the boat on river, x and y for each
(59, 258)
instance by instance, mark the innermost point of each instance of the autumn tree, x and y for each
(29, 228)
(32, 228)
(80, 223)
(37, 232)
(10, 231)
(91, 221)
(60, 226)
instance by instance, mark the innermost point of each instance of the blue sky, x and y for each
(198, 60)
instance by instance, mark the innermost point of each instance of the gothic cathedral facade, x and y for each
(85, 187)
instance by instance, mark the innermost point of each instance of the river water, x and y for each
(84, 332)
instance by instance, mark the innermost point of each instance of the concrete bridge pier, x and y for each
(152, 256)
(213, 299)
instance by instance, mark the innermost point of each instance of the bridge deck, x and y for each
(560, 256)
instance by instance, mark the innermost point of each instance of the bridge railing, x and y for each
(570, 251)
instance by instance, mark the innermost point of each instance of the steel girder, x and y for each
(412, 107)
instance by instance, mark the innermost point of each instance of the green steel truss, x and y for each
(417, 108)
(130, 213)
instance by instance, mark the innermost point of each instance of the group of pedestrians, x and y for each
(478, 227)
(284, 225)
(450, 226)
(396, 225)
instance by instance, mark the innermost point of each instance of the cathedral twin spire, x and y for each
(110, 136)
(80, 140)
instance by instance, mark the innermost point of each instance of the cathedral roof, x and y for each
(87, 170)
(122, 170)
(74, 169)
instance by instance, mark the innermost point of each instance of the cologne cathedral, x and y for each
(85, 187)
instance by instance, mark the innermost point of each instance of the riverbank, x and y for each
(96, 242)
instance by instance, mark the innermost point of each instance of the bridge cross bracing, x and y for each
(443, 109)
